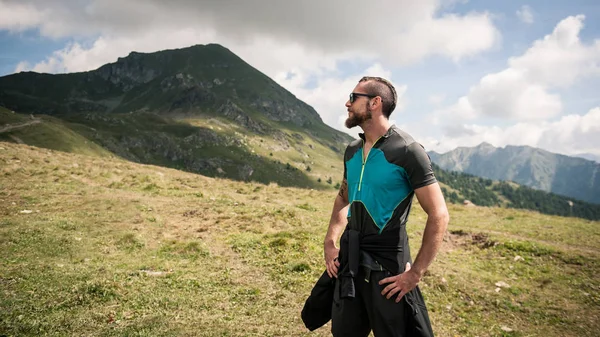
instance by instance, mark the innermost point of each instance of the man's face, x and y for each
(358, 111)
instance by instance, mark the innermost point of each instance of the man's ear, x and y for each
(375, 102)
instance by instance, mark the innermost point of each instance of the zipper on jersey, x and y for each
(364, 161)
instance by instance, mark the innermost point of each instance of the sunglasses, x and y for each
(354, 95)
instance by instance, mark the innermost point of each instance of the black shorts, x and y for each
(369, 310)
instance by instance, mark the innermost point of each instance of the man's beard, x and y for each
(355, 119)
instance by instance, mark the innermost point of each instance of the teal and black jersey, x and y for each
(380, 192)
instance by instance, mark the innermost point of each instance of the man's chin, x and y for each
(350, 123)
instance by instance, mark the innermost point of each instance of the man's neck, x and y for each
(374, 129)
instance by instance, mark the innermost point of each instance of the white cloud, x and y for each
(524, 90)
(22, 66)
(405, 31)
(451, 36)
(509, 95)
(570, 135)
(560, 58)
(573, 134)
(525, 14)
(436, 99)
(527, 93)
(16, 17)
(462, 110)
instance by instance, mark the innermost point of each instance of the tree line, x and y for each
(486, 192)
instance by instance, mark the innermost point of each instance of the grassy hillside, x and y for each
(101, 246)
(45, 131)
(212, 146)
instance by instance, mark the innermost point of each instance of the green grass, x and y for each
(48, 132)
(113, 248)
(10, 117)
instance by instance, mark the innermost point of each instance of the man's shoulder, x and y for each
(401, 147)
(355, 143)
(352, 148)
(399, 138)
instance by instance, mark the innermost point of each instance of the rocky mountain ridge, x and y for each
(569, 176)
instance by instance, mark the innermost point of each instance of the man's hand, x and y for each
(400, 284)
(331, 259)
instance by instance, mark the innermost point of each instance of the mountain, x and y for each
(201, 109)
(569, 176)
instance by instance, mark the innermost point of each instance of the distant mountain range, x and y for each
(569, 176)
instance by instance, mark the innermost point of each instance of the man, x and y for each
(376, 286)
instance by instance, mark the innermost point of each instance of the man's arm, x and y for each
(336, 227)
(432, 201)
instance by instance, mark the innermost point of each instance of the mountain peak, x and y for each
(196, 47)
(198, 80)
(485, 145)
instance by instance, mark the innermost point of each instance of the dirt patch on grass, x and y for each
(461, 239)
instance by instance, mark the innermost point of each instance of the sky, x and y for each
(466, 71)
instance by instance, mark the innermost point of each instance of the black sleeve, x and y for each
(418, 166)
(348, 153)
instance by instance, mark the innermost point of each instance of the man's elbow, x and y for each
(442, 218)
(341, 200)
(446, 219)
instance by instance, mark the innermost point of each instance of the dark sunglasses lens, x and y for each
(352, 97)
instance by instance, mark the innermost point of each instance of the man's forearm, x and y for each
(432, 239)
(337, 222)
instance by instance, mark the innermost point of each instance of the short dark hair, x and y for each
(383, 88)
